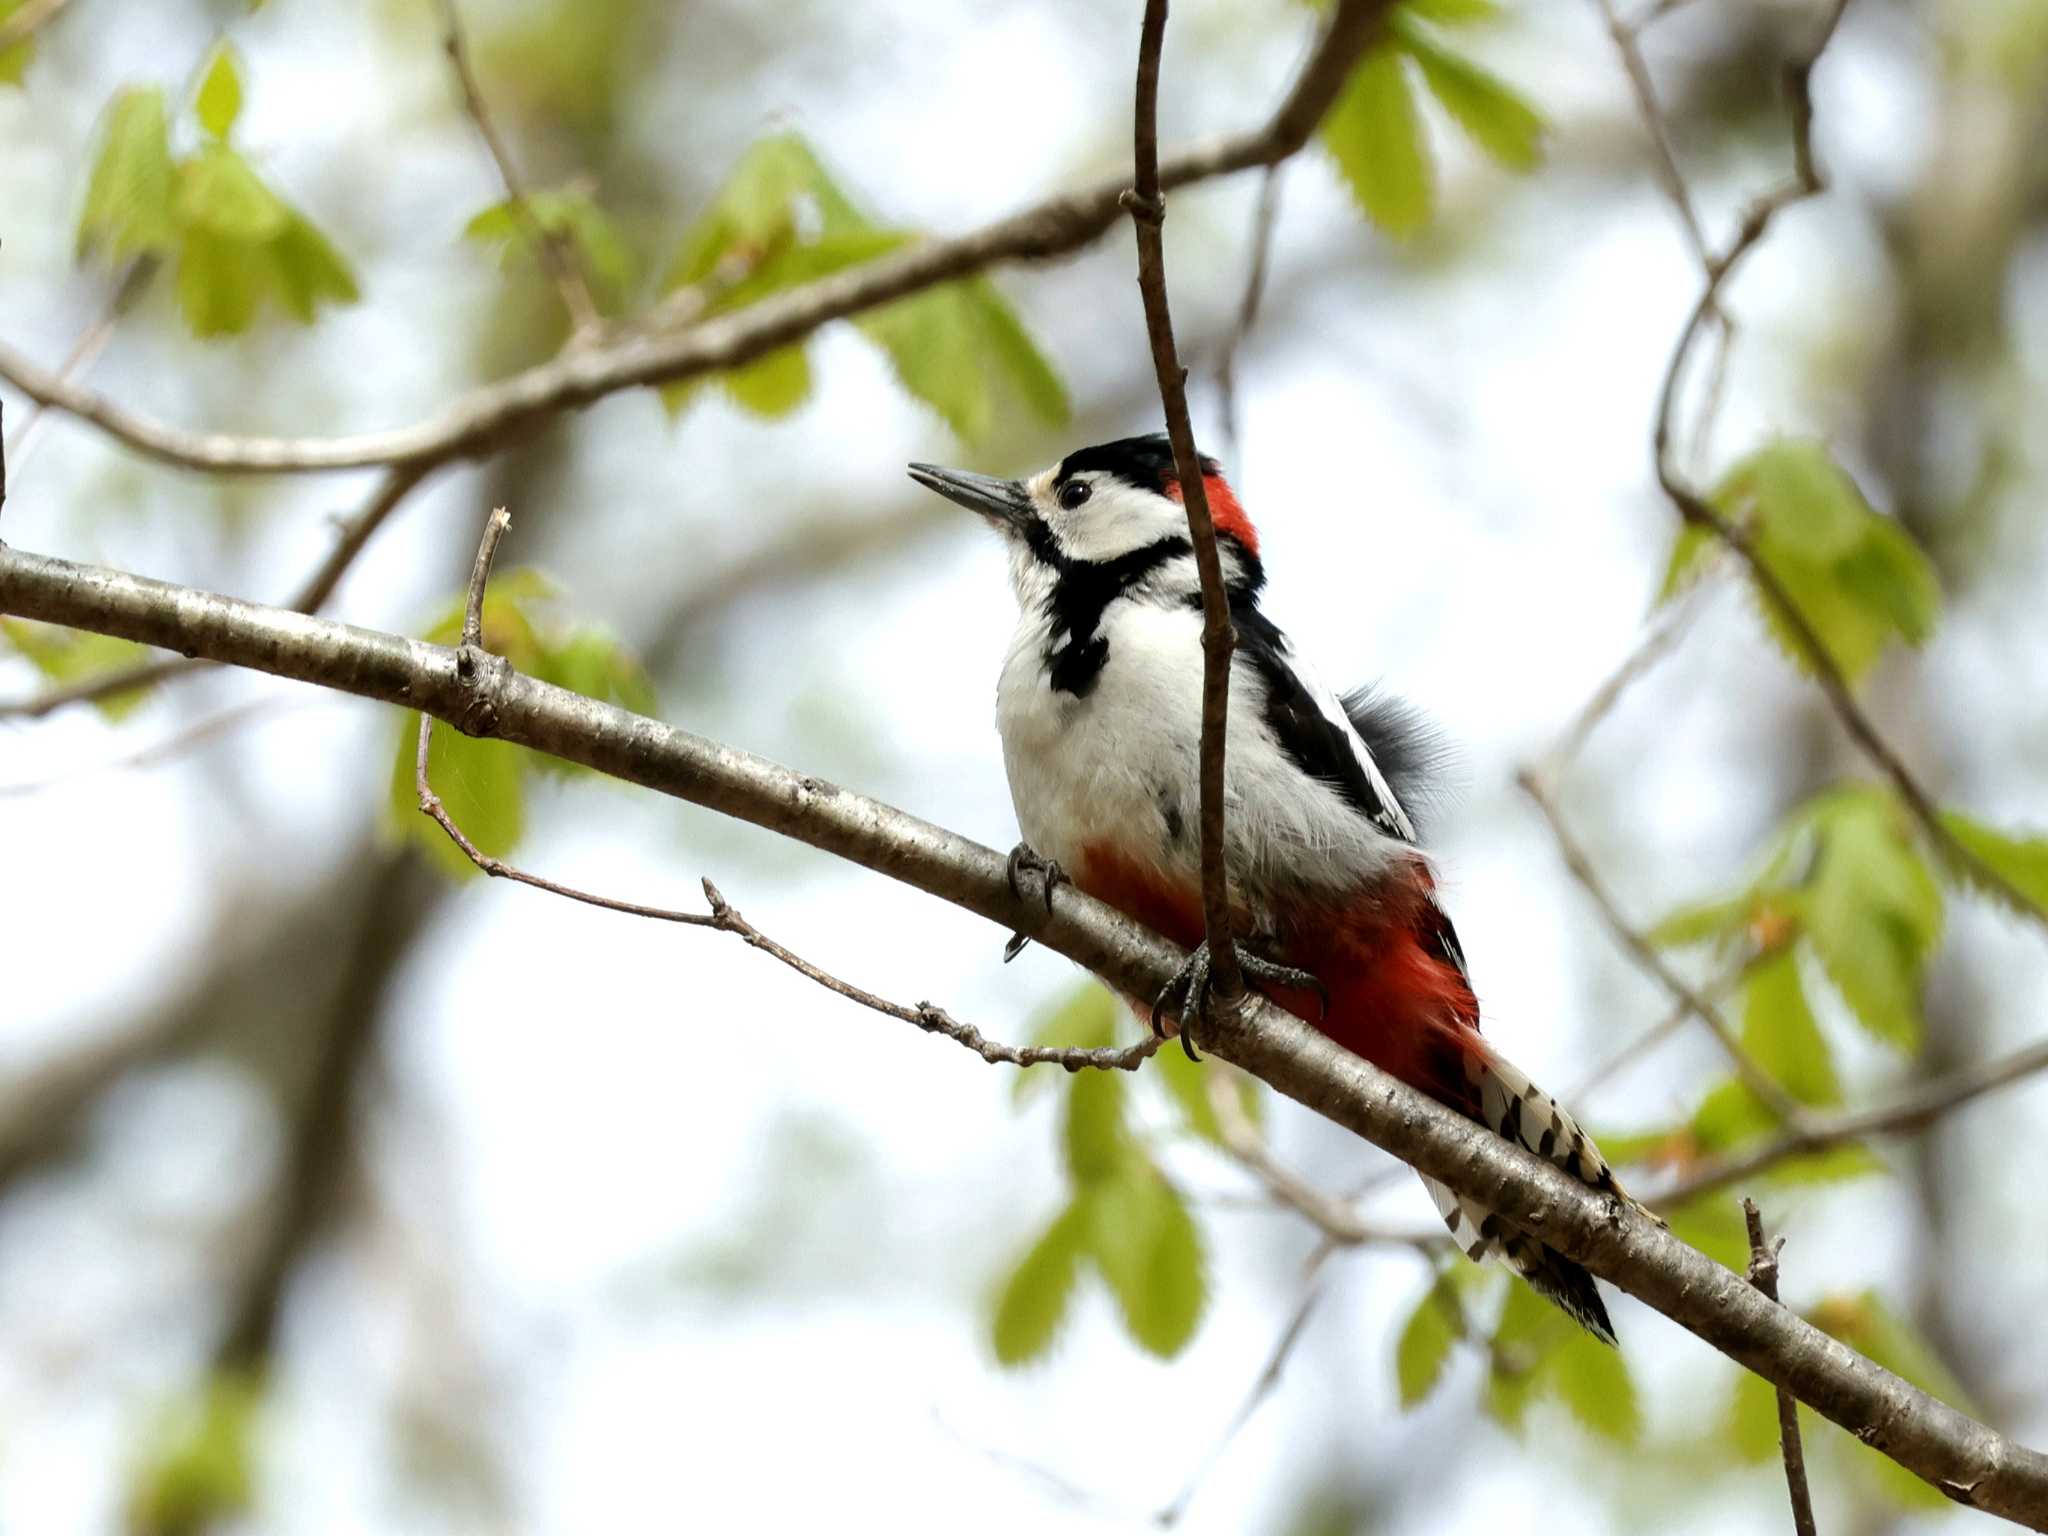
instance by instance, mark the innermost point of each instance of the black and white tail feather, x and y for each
(1513, 1107)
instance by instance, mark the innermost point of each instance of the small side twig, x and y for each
(723, 917)
(554, 253)
(1763, 1274)
(1219, 638)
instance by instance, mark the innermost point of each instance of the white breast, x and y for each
(1119, 766)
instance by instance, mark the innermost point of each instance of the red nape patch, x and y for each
(1224, 511)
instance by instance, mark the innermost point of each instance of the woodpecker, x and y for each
(1333, 903)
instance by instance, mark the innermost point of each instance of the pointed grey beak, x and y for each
(1002, 502)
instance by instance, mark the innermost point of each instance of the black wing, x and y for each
(1410, 752)
(1320, 738)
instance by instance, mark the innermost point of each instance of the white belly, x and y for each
(1119, 766)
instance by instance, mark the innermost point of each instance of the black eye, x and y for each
(1074, 493)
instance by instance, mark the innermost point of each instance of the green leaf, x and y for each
(775, 184)
(1704, 922)
(1094, 1139)
(1014, 356)
(14, 61)
(1375, 135)
(1453, 13)
(1691, 556)
(130, 201)
(219, 101)
(1505, 127)
(219, 193)
(772, 385)
(932, 345)
(74, 655)
(1149, 1251)
(309, 270)
(1781, 1034)
(220, 283)
(1837, 1165)
(573, 220)
(1593, 1381)
(1035, 1298)
(1753, 1418)
(1424, 1347)
(1728, 1116)
(194, 1472)
(1086, 1019)
(597, 664)
(482, 784)
(1713, 1224)
(1872, 911)
(1189, 1084)
(1855, 576)
(2021, 860)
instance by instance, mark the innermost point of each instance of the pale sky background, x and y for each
(584, 1116)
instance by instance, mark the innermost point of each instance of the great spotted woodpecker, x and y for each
(1099, 706)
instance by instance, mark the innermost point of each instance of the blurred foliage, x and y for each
(571, 218)
(1375, 131)
(69, 656)
(482, 782)
(236, 242)
(1124, 1216)
(194, 1471)
(780, 220)
(14, 61)
(1856, 576)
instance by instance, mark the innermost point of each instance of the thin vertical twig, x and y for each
(1265, 220)
(1219, 638)
(553, 252)
(1763, 1274)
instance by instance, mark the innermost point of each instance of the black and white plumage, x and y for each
(1099, 704)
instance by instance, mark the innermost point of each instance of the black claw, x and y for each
(1015, 947)
(1274, 975)
(1023, 857)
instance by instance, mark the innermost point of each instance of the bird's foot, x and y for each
(1025, 860)
(1191, 985)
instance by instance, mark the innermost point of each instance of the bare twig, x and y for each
(1265, 220)
(1759, 1082)
(1219, 636)
(1714, 992)
(1694, 508)
(30, 19)
(556, 255)
(514, 408)
(197, 734)
(1659, 640)
(722, 917)
(1763, 1274)
(1912, 1112)
(1335, 1217)
(85, 351)
(1263, 1386)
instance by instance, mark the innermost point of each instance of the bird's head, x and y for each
(1099, 506)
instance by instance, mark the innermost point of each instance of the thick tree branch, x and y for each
(1969, 1462)
(1219, 636)
(488, 417)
